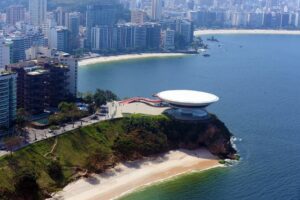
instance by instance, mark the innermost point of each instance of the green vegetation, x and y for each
(12, 143)
(68, 112)
(60, 160)
(26, 185)
(198, 43)
(99, 98)
(22, 120)
(222, 162)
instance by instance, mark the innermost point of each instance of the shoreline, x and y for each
(129, 177)
(108, 59)
(246, 31)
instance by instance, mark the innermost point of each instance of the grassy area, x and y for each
(95, 148)
(71, 151)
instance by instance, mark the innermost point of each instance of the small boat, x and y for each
(212, 39)
(206, 55)
(201, 50)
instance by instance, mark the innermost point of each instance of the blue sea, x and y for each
(257, 78)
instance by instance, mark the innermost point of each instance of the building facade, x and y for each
(18, 46)
(168, 39)
(4, 54)
(73, 26)
(14, 14)
(43, 84)
(8, 105)
(156, 10)
(100, 14)
(138, 16)
(38, 12)
(127, 36)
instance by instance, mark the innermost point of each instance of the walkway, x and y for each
(140, 99)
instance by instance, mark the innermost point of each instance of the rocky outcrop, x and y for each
(211, 134)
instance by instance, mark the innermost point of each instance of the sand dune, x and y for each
(130, 176)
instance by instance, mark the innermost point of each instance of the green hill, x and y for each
(47, 166)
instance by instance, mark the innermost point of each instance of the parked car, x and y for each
(94, 117)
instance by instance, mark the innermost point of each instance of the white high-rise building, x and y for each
(72, 64)
(4, 54)
(52, 38)
(38, 11)
(156, 9)
(168, 39)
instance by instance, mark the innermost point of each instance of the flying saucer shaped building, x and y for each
(187, 104)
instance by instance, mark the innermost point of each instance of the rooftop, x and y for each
(189, 98)
(37, 72)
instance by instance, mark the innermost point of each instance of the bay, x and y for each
(257, 78)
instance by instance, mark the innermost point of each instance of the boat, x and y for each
(212, 39)
(201, 50)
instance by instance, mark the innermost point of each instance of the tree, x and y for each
(73, 112)
(101, 97)
(88, 98)
(125, 147)
(198, 43)
(98, 161)
(11, 143)
(57, 119)
(22, 119)
(55, 170)
(64, 107)
(69, 110)
(26, 185)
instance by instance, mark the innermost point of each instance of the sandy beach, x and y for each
(106, 59)
(131, 176)
(244, 31)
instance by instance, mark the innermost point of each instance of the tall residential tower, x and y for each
(38, 11)
(156, 9)
(8, 104)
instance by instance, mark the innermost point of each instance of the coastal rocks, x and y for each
(217, 139)
(211, 134)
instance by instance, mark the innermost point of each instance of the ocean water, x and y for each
(257, 78)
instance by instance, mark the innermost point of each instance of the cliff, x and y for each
(211, 134)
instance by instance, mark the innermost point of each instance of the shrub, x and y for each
(222, 162)
(55, 170)
(99, 160)
(26, 185)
